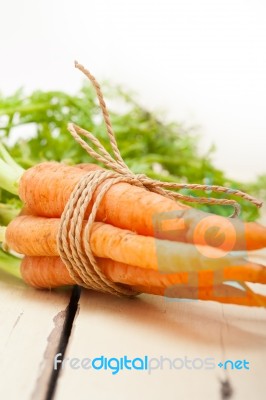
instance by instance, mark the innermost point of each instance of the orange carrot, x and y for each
(221, 293)
(46, 188)
(25, 211)
(50, 272)
(36, 236)
(44, 272)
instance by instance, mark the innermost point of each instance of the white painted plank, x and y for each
(26, 321)
(244, 337)
(146, 326)
(153, 326)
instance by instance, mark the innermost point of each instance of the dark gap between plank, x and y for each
(64, 338)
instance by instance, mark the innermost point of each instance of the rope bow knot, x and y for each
(75, 252)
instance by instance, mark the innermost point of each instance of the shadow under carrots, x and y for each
(195, 321)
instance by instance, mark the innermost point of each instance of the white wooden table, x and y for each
(36, 325)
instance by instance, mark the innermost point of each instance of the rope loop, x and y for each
(74, 233)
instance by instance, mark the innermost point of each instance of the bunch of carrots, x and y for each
(128, 247)
(140, 239)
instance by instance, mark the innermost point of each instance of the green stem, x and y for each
(8, 212)
(2, 233)
(26, 108)
(9, 178)
(9, 160)
(10, 172)
(10, 264)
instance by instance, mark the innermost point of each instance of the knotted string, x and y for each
(74, 238)
(117, 163)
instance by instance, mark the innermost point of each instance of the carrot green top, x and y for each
(10, 171)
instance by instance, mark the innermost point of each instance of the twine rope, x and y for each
(73, 238)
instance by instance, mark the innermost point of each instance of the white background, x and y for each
(203, 61)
